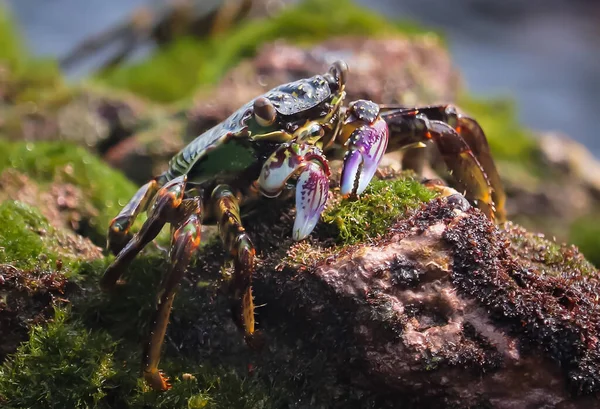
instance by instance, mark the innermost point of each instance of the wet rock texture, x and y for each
(445, 311)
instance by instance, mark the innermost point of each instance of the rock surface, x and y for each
(447, 311)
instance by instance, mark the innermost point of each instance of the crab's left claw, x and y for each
(366, 145)
(307, 164)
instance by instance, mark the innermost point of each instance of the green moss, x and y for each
(11, 46)
(179, 69)
(381, 204)
(105, 189)
(89, 356)
(61, 366)
(585, 234)
(26, 238)
(20, 239)
(207, 389)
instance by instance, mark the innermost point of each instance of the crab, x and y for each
(278, 142)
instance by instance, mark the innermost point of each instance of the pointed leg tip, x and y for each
(157, 380)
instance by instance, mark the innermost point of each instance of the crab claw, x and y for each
(367, 144)
(312, 188)
(308, 165)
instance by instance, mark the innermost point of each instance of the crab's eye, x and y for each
(339, 70)
(264, 111)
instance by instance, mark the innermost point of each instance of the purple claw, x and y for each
(311, 195)
(307, 163)
(367, 144)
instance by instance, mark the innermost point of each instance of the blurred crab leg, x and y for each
(472, 133)
(308, 164)
(240, 247)
(185, 241)
(466, 127)
(466, 170)
(118, 231)
(164, 207)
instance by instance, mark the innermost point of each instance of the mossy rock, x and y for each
(205, 355)
(103, 190)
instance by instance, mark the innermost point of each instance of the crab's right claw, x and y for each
(366, 145)
(307, 164)
(312, 188)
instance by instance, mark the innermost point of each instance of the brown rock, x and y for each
(445, 311)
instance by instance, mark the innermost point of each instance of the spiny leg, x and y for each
(118, 231)
(410, 125)
(405, 122)
(240, 247)
(472, 133)
(164, 206)
(185, 241)
(467, 172)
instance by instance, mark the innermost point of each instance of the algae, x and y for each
(382, 203)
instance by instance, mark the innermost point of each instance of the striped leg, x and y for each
(240, 247)
(118, 231)
(411, 125)
(167, 200)
(185, 241)
(461, 142)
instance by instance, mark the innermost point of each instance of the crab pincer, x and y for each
(307, 164)
(367, 139)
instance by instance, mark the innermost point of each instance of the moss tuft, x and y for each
(67, 365)
(180, 68)
(21, 235)
(105, 189)
(378, 208)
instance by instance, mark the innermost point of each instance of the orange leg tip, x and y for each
(157, 380)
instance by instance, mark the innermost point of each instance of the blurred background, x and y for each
(133, 81)
(543, 53)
